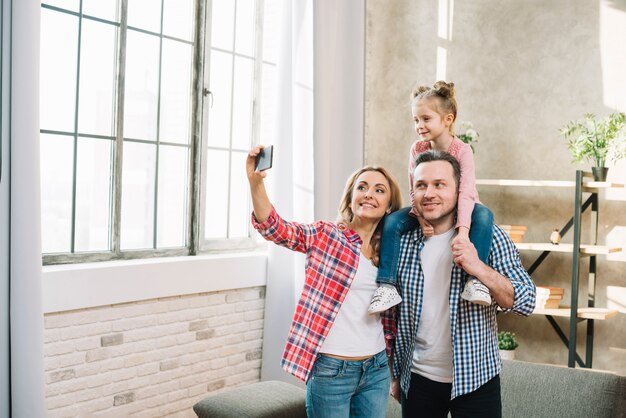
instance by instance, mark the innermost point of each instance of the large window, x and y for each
(148, 108)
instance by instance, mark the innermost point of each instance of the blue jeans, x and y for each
(342, 388)
(400, 222)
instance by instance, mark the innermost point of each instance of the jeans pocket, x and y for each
(325, 371)
(381, 361)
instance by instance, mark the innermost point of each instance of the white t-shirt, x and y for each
(354, 332)
(432, 357)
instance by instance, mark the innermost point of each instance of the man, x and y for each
(445, 349)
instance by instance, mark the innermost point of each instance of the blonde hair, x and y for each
(442, 97)
(346, 216)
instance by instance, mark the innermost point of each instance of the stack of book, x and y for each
(549, 297)
(515, 232)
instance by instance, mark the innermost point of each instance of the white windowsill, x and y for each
(76, 286)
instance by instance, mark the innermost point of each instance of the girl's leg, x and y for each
(395, 224)
(481, 234)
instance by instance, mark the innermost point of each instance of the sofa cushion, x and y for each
(267, 399)
(541, 390)
(270, 399)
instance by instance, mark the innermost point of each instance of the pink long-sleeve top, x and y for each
(468, 195)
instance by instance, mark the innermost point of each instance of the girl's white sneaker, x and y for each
(384, 298)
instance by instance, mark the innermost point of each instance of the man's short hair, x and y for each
(434, 155)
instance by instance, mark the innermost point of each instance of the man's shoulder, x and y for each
(411, 234)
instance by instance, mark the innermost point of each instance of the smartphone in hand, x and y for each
(264, 159)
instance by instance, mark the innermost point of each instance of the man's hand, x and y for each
(461, 236)
(394, 389)
(465, 256)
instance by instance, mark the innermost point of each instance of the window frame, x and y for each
(230, 244)
(200, 107)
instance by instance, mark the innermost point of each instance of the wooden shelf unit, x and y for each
(588, 313)
(599, 314)
(586, 185)
(567, 248)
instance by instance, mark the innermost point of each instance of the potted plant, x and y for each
(469, 135)
(596, 139)
(507, 343)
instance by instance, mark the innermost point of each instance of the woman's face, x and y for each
(371, 196)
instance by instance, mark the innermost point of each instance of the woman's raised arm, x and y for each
(260, 201)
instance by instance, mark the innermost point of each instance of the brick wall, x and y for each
(152, 358)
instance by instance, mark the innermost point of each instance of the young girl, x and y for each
(333, 344)
(434, 111)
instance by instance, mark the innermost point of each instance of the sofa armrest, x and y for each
(270, 399)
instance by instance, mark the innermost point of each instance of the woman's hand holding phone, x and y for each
(264, 159)
(260, 201)
(251, 162)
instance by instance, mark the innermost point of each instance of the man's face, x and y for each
(435, 192)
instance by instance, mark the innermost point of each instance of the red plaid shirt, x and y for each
(332, 258)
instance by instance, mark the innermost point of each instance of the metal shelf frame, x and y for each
(584, 184)
(570, 339)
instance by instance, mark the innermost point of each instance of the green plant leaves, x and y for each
(595, 139)
(507, 341)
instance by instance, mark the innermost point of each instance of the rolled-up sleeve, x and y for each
(505, 260)
(292, 235)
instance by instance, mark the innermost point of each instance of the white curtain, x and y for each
(26, 312)
(339, 38)
(291, 178)
(5, 360)
(319, 141)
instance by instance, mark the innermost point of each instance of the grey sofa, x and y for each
(528, 390)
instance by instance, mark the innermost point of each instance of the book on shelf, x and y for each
(549, 290)
(540, 299)
(549, 297)
(516, 237)
(508, 228)
(548, 304)
(515, 232)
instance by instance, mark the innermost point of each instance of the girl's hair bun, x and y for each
(444, 89)
(419, 90)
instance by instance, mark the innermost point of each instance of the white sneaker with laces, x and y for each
(384, 298)
(476, 292)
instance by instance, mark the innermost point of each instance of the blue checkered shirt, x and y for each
(476, 359)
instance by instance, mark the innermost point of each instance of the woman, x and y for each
(333, 344)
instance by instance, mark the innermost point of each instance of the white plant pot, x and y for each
(507, 354)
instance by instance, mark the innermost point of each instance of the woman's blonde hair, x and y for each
(346, 216)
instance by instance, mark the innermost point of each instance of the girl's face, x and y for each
(371, 196)
(429, 124)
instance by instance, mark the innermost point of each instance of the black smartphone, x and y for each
(264, 159)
